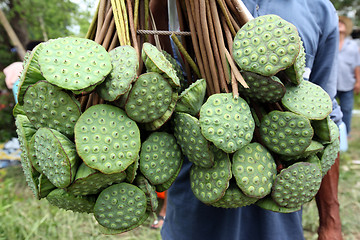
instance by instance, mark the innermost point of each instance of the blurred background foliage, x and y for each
(43, 20)
(350, 8)
(36, 20)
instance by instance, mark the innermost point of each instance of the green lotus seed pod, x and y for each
(295, 72)
(31, 72)
(193, 144)
(31, 154)
(209, 184)
(89, 181)
(149, 98)
(158, 123)
(131, 171)
(312, 149)
(47, 105)
(254, 170)
(18, 110)
(45, 186)
(322, 128)
(326, 130)
(296, 185)
(234, 198)
(334, 131)
(226, 122)
(286, 133)
(329, 155)
(179, 71)
(25, 131)
(57, 156)
(107, 139)
(120, 206)
(307, 99)
(261, 88)
(125, 65)
(160, 157)
(314, 159)
(266, 45)
(166, 185)
(108, 231)
(268, 203)
(192, 98)
(155, 61)
(150, 192)
(64, 200)
(73, 63)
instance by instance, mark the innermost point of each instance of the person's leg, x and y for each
(161, 217)
(346, 104)
(163, 208)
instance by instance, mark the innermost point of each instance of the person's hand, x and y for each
(12, 73)
(332, 233)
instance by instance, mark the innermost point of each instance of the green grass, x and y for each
(24, 217)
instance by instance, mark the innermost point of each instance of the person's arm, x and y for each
(328, 205)
(357, 77)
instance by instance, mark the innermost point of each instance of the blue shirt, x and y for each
(349, 59)
(189, 219)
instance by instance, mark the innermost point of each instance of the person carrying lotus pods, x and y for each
(188, 218)
(349, 70)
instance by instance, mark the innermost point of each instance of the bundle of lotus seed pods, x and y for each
(103, 126)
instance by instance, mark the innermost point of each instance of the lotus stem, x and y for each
(109, 34)
(183, 39)
(194, 39)
(121, 21)
(101, 16)
(243, 13)
(204, 56)
(114, 42)
(136, 14)
(232, 19)
(92, 28)
(126, 22)
(219, 36)
(209, 51)
(216, 50)
(132, 28)
(146, 4)
(118, 25)
(229, 40)
(105, 27)
(186, 55)
(83, 102)
(223, 9)
(235, 70)
(90, 101)
(234, 86)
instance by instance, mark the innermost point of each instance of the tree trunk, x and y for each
(12, 35)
